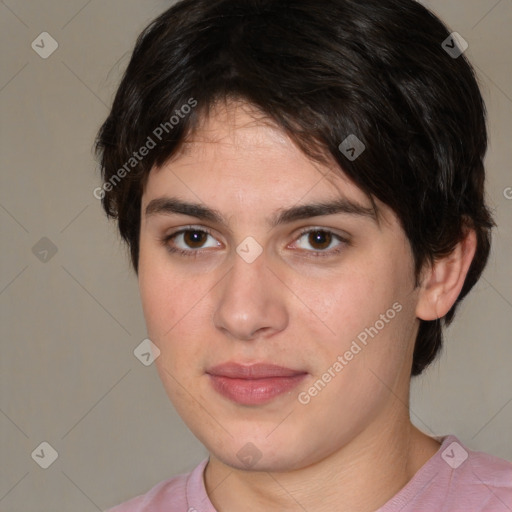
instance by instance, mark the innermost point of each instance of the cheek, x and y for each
(176, 311)
(166, 296)
(369, 302)
(339, 305)
(155, 294)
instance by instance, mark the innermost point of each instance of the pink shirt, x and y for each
(455, 479)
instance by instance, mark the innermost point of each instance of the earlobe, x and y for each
(443, 281)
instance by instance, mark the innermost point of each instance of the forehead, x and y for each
(239, 159)
(235, 122)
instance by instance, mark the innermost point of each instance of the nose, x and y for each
(250, 302)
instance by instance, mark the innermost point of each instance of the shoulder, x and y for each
(487, 470)
(477, 480)
(169, 495)
(471, 478)
(457, 478)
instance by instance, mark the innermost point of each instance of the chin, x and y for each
(261, 453)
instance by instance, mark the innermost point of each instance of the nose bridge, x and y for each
(246, 279)
(249, 301)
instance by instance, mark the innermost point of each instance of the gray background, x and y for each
(70, 324)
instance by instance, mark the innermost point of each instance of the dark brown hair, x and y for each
(321, 70)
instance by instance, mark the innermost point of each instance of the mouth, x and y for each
(253, 384)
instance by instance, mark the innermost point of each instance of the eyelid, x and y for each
(190, 227)
(336, 233)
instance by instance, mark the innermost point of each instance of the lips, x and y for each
(253, 384)
(253, 371)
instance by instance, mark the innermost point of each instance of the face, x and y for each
(281, 329)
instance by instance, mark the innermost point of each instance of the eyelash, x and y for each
(194, 253)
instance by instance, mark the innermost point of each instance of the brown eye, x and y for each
(194, 239)
(190, 242)
(320, 239)
(321, 242)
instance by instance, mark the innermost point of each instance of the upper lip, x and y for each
(252, 371)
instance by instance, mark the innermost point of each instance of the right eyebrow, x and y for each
(172, 205)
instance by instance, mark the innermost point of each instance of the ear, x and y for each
(441, 283)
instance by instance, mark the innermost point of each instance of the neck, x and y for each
(361, 476)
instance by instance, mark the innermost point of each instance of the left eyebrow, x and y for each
(341, 205)
(173, 205)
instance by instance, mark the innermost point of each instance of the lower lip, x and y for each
(254, 391)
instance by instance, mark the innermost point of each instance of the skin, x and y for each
(352, 447)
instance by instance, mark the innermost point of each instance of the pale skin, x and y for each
(353, 446)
